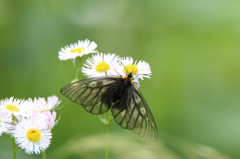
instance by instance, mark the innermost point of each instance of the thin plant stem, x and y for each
(108, 131)
(77, 73)
(105, 117)
(76, 77)
(14, 147)
(43, 154)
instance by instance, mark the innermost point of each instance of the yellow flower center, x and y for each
(12, 108)
(33, 135)
(102, 67)
(78, 50)
(131, 68)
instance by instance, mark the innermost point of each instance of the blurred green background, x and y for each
(192, 46)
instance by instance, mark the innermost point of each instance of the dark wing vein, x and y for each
(151, 131)
(89, 93)
(133, 113)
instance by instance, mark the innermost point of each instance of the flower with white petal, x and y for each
(136, 82)
(77, 50)
(32, 135)
(17, 107)
(5, 120)
(51, 119)
(100, 65)
(138, 69)
(40, 104)
(48, 118)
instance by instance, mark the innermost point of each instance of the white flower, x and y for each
(5, 120)
(100, 65)
(17, 107)
(32, 135)
(136, 82)
(77, 50)
(40, 104)
(51, 122)
(48, 118)
(139, 69)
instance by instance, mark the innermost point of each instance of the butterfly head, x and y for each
(130, 75)
(129, 79)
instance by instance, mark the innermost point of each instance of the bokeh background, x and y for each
(192, 46)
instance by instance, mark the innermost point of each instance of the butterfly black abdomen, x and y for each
(117, 94)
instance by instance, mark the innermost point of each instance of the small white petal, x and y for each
(81, 48)
(91, 66)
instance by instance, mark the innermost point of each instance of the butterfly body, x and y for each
(120, 90)
(129, 108)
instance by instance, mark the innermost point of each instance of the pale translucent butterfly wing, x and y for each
(89, 93)
(147, 123)
(132, 112)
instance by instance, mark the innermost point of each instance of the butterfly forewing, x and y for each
(89, 93)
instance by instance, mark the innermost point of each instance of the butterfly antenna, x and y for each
(124, 67)
(132, 70)
(117, 72)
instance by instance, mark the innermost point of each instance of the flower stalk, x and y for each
(76, 77)
(108, 132)
(43, 154)
(14, 147)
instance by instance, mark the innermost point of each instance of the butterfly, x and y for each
(120, 94)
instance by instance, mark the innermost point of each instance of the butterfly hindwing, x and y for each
(89, 93)
(147, 124)
(132, 112)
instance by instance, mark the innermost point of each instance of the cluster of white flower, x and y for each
(29, 121)
(104, 64)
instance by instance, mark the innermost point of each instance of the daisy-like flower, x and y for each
(139, 69)
(32, 135)
(48, 118)
(100, 65)
(77, 50)
(5, 120)
(51, 120)
(40, 104)
(16, 107)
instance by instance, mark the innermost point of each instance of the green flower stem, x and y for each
(43, 154)
(13, 141)
(105, 117)
(14, 147)
(76, 77)
(77, 73)
(108, 131)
